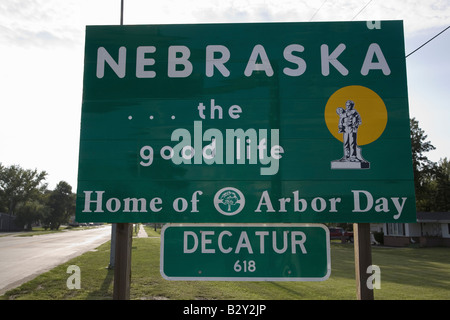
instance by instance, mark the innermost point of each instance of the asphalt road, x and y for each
(24, 258)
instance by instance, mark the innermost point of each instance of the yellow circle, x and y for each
(368, 104)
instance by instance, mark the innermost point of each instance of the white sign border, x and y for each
(319, 225)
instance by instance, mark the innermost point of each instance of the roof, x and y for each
(442, 217)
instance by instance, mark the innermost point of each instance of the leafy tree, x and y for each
(61, 204)
(423, 168)
(30, 212)
(442, 186)
(431, 179)
(19, 185)
(419, 145)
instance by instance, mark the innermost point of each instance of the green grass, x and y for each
(413, 273)
(406, 273)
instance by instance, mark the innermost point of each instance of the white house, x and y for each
(432, 229)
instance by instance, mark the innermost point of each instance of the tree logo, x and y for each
(229, 201)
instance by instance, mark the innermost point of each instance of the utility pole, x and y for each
(121, 12)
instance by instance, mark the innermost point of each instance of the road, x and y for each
(24, 258)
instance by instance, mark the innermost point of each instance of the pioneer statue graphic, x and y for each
(349, 122)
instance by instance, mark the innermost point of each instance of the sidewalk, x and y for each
(141, 232)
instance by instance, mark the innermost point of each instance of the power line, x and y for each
(361, 10)
(428, 41)
(317, 10)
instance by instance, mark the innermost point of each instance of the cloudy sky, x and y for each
(41, 63)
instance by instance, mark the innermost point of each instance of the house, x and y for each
(432, 229)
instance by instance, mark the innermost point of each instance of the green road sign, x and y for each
(245, 123)
(253, 252)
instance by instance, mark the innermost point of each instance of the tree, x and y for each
(61, 203)
(421, 163)
(30, 212)
(442, 186)
(19, 185)
(423, 168)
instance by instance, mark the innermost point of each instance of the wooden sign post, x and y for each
(363, 259)
(122, 267)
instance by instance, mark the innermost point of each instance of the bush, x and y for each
(379, 236)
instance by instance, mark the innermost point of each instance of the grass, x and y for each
(406, 273)
(414, 273)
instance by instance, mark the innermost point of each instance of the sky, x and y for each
(42, 54)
